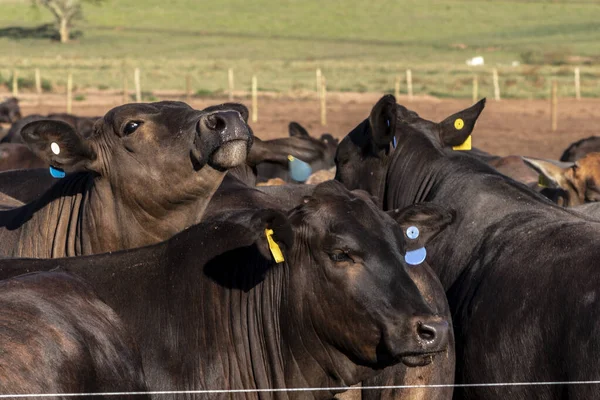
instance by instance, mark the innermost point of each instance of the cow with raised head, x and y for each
(57, 336)
(520, 272)
(147, 172)
(318, 297)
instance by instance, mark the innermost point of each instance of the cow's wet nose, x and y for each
(228, 125)
(432, 333)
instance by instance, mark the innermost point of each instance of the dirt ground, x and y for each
(505, 127)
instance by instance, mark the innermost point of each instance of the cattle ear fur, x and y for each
(58, 144)
(297, 130)
(430, 219)
(456, 128)
(242, 109)
(552, 173)
(383, 121)
(282, 235)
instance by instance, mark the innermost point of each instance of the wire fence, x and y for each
(280, 390)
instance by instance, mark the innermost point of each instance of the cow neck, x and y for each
(63, 203)
(309, 360)
(481, 198)
(116, 219)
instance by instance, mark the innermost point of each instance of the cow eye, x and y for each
(130, 127)
(340, 256)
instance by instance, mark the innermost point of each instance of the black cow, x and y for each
(146, 173)
(56, 336)
(10, 111)
(520, 272)
(82, 125)
(580, 148)
(18, 156)
(212, 309)
(270, 157)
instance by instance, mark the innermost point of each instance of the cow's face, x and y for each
(364, 154)
(577, 182)
(351, 281)
(150, 150)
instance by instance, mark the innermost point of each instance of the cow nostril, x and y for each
(214, 122)
(426, 332)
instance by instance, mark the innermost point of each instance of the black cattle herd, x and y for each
(141, 256)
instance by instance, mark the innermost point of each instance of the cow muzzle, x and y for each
(425, 337)
(225, 137)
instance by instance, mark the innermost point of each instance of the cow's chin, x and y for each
(229, 155)
(417, 361)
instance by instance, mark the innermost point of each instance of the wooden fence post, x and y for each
(69, 93)
(319, 86)
(38, 82)
(323, 101)
(231, 83)
(475, 88)
(138, 86)
(577, 84)
(409, 84)
(496, 85)
(554, 105)
(254, 99)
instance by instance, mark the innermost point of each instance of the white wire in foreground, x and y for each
(337, 389)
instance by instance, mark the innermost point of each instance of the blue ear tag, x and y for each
(394, 142)
(415, 257)
(57, 173)
(299, 170)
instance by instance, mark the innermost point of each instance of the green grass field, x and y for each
(359, 45)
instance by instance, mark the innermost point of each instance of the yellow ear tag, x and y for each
(274, 247)
(543, 181)
(465, 146)
(459, 124)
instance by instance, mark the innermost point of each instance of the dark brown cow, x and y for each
(216, 308)
(82, 125)
(57, 336)
(10, 112)
(19, 156)
(579, 181)
(146, 173)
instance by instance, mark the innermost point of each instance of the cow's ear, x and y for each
(58, 144)
(275, 236)
(383, 121)
(297, 130)
(420, 223)
(552, 173)
(242, 109)
(456, 128)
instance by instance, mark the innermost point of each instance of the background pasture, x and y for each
(359, 45)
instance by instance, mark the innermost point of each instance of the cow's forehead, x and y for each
(162, 107)
(334, 208)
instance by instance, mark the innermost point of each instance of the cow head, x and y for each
(364, 154)
(154, 149)
(350, 282)
(578, 182)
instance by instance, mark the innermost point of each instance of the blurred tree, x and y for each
(65, 12)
